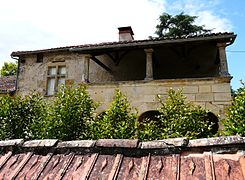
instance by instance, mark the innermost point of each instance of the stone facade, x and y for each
(142, 70)
(144, 95)
(212, 93)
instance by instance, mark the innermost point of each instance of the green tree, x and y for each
(9, 69)
(180, 25)
(70, 114)
(118, 122)
(235, 122)
(22, 117)
(178, 118)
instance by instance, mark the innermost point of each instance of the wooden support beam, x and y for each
(182, 51)
(111, 57)
(117, 57)
(100, 63)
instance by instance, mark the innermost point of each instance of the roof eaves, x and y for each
(141, 44)
(228, 37)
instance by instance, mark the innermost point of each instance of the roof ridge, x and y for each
(126, 143)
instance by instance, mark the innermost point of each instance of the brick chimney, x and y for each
(126, 33)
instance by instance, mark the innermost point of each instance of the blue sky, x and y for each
(230, 15)
(236, 52)
(39, 24)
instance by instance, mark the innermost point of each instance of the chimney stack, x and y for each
(126, 33)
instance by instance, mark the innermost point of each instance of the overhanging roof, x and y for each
(86, 48)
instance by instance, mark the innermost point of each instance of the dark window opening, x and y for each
(22, 60)
(39, 58)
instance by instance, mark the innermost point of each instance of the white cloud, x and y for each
(28, 24)
(216, 23)
(208, 12)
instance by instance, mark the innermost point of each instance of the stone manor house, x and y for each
(141, 69)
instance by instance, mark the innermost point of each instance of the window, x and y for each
(39, 58)
(56, 77)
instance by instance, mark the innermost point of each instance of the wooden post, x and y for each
(149, 64)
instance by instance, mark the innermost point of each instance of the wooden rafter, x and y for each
(117, 57)
(100, 63)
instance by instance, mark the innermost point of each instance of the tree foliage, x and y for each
(180, 25)
(8, 69)
(178, 118)
(70, 114)
(235, 121)
(118, 122)
(22, 117)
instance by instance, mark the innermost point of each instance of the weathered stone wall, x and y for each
(99, 74)
(33, 75)
(213, 94)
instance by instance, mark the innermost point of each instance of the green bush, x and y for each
(235, 122)
(70, 114)
(22, 117)
(177, 118)
(118, 122)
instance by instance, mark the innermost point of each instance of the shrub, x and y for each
(22, 117)
(177, 118)
(235, 122)
(118, 122)
(70, 113)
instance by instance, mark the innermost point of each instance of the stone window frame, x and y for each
(56, 76)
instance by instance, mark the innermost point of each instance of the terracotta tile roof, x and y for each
(7, 84)
(226, 36)
(214, 158)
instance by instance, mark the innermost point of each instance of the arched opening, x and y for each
(149, 116)
(152, 116)
(213, 119)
